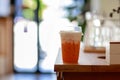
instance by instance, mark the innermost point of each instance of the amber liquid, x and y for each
(70, 51)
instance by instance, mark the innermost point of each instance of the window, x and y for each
(36, 32)
(25, 36)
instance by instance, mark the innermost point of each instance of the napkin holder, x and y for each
(114, 53)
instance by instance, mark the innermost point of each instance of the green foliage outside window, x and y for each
(29, 7)
(41, 8)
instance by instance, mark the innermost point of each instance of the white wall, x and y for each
(108, 5)
(104, 6)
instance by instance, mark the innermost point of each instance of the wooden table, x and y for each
(91, 66)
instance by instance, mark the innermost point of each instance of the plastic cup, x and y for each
(70, 45)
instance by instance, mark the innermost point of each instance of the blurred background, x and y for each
(29, 32)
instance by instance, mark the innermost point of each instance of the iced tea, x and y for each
(70, 46)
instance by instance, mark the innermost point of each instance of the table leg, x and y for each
(59, 76)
